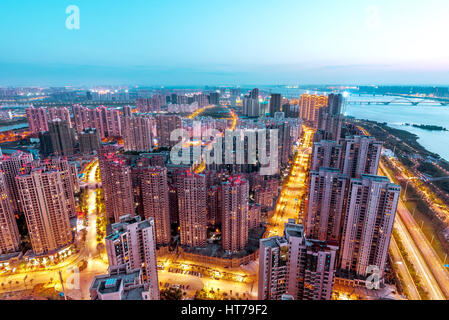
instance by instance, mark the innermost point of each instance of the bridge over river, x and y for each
(385, 100)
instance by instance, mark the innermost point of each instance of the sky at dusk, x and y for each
(196, 42)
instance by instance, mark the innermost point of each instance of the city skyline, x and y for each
(102, 181)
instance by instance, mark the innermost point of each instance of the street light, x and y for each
(406, 186)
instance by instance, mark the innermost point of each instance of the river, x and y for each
(396, 115)
(13, 127)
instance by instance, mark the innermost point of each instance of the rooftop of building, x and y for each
(380, 179)
(326, 169)
(235, 180)
(113, 230)
(328, 142)
(88, 130)
(18, 154)
(294, 230)
(273, 242)
(359, 137)
(375, 177)
(134, 293)
(111, 283)
(318, 245)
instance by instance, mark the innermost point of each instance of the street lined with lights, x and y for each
(294, 188)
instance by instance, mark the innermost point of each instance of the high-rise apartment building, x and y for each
(214, 98)
(255, 93)
(89, 140)
(165, 124)
(127, 111)
(44, 203)
(234, 95)
(296, 265)
(285, 139)
(251, 107)
(368, 224)
(105, 120)
(326, 153)
(213, 205)
(117, 185)
(334, 103)
(311, 265)
(291, 110)
(361, 155)
(273, 269)
(201, 98)
(82, 117)
(11, 166)
(174, 98)
(310, 106)
(327, 190)
(234, 206)
(329, 125)
(155, 200)
(183, 99)
(275, 103)
(60, 113)
(69, 176)
(191, 189)
(132, 242)
(113, 123)
(37, 119)
(143, 105)
(59, 140)
(254, 215)
(330, 119)
(156, 102)
(173, 201)
(138, 133)
(9, 234)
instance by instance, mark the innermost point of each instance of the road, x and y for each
(199, 111)
(402, 269)
(91, 238)
(293, 189)
(424, 258)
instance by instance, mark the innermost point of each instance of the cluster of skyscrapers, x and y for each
(348, 213)
(349, 216)
(142, 185)
(43, 191)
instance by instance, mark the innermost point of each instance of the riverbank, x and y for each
(398, 115)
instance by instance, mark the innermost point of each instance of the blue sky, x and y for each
(181, 42)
